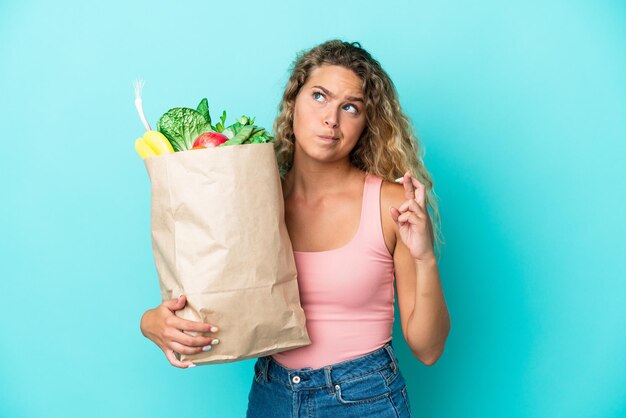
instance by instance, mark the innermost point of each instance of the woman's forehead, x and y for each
(337, 79)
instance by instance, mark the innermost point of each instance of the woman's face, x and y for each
(329, 113)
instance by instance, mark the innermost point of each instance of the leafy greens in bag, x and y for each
(182, 126)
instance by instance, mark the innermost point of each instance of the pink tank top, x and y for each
(347, 293)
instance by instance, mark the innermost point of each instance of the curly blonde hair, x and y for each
(388, 147)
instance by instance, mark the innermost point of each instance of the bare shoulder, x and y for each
(392, 194)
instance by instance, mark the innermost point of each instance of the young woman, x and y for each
(341, 140)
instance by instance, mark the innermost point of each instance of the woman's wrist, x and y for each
(426, 259)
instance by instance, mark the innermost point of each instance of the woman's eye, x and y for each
(356, 110)
(317, 93)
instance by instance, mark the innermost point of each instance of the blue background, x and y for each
(520, 105)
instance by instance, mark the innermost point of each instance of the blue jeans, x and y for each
(368, 386)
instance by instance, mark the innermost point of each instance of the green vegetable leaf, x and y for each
(257, 140)
(259, 136)
(239, 138)
(220, 125)
(181, 126)
(228, 132)
(234, 128)
(203, 109)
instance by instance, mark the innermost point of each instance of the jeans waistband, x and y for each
(328, 376)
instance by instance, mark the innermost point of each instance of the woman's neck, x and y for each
(311, 181)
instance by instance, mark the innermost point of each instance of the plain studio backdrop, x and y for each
(521, 108)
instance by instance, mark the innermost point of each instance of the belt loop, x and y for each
(392, 356)
(265, 369)
(329, 380)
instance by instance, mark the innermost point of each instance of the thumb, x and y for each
(176, 304)
(394, 213)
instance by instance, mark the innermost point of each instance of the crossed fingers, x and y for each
(414, 191)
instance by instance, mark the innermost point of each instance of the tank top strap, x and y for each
(372, 230)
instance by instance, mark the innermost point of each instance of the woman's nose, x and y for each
(331, 119)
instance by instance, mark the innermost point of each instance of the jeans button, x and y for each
(295, 379)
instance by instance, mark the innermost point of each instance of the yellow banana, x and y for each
(158, 142)
(144, 149)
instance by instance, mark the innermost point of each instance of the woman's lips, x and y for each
(328, 138)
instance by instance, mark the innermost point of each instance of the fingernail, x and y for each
(213, 329)
(399, 179)
(215, 341)
(207, 348)
(191, 365)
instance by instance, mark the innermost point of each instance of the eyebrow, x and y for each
(353, 99)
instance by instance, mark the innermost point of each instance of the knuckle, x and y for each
(187, 340)
(168, 334)
(194, 341)
(183, 349)
(202, 341)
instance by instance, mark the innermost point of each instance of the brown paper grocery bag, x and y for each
(219, 237)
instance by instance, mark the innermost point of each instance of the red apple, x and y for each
(210, 140)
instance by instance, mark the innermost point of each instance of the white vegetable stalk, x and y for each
(139, 104)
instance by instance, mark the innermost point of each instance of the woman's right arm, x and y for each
(165, 329)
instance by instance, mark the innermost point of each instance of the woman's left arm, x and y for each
(424, 315)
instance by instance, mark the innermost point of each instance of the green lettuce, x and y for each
(181, 126)
(203, 109)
